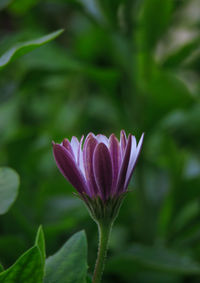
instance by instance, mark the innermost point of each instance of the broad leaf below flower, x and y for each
(69, 264)
(27, 269)
(40, 243)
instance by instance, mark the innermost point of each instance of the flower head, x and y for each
(101, 168)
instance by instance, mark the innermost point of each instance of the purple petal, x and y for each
(67, 145)
(132, 157)
(102, 139)
(135, 152)
(123, 142)
(115, 157)
(103, 170)
(124, 167)
(80, 157)
(88, 152)
(75, 147)
(68, 168)
(89, 135)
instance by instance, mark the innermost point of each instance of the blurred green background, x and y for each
(120, 64)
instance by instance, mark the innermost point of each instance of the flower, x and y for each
(101, 169)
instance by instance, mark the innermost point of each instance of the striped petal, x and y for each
(135, 152)
(68, 146)
(102, 139)
(123, 142)
(124, 167)
(80, 157)
(75, 147)
(88, 152)
(115, 157)
(68, 168)
(103, 170)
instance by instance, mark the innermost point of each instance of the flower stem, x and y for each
(104, 233)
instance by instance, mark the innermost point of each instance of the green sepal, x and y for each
(103, 211)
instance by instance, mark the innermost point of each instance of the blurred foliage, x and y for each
(119, 64)
(25, 47)
(9, 183)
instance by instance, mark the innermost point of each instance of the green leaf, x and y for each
(25, 47)
(9, 183)
(40, 243)
(27, 269)
(181, 54)
(167, 92)
(1, 268)
(89, 279)
(21, 7)
(69, 264)
(155, 258)
(155, 18)
(189, 212)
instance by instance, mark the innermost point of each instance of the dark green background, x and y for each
(120, 64)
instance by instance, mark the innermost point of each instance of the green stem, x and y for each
(104, 233)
